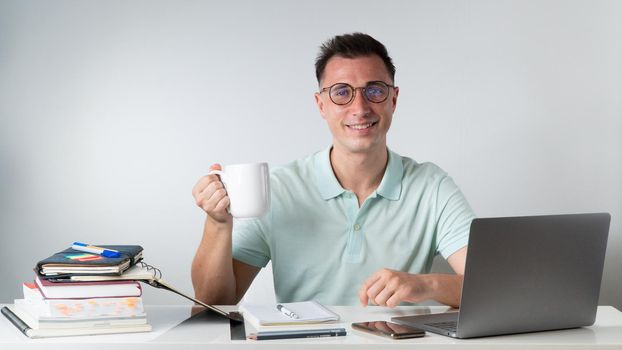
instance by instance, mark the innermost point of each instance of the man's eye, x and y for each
(374, 91)
(341, 91)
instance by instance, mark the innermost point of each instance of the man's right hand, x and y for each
(210, 195)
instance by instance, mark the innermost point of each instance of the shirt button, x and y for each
(357, 227)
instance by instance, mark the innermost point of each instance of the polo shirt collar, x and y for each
(325, 177)
(391, 184)
(390, 187)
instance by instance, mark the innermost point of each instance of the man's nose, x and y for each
(360, 105)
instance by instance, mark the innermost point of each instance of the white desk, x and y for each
(171, 332)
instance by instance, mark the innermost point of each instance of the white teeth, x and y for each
(361, 126)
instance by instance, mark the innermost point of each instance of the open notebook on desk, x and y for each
(307, 312)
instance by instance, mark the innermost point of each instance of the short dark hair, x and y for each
(351, 46)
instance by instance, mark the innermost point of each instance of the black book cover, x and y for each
(130, 255)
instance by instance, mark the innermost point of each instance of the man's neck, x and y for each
(359, 172)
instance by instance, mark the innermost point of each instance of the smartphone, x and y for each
(389, 329)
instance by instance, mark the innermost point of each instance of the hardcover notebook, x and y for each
(83, 290)
(307, 311)
(73, 308)
(71, 262)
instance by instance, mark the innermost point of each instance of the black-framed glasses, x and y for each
(342, 93)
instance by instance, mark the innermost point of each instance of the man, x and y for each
(353, 223)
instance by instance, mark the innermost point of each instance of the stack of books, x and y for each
(78, 293)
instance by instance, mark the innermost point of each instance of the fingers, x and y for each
(386, 288)
(205, 188)
(396, 299)
(200, 186)
(205, 181)
(383, 295)
(372, 287)
(214, 198)
(363, 296)
(210, 195)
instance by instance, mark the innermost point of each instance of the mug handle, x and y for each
(223, 176)
(217, 172)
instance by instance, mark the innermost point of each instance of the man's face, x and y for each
(359, 126)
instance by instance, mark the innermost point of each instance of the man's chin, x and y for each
(361, 147)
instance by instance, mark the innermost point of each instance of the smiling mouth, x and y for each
(361, 126)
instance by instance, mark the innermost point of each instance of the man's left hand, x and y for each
(389, 288)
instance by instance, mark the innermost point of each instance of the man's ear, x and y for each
(320, 104)
(396, 91)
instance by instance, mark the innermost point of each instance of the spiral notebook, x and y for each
(140, 272)
(308, 312)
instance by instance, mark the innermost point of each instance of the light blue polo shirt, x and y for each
(323, 246)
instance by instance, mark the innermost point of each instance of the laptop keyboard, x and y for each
(448, 326)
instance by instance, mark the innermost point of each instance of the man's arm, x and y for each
(217, 278)
(389, 287)
(457, 260)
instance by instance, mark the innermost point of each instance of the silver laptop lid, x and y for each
(532, 273)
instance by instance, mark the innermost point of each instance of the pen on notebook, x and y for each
(303, 333)
(83, 247)
(285, 311)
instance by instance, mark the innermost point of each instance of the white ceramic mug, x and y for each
(248, 188)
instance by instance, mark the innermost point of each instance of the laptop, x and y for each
(526, 274)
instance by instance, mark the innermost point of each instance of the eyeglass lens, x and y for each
(375, 92)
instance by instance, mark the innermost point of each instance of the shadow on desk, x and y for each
(199, 321)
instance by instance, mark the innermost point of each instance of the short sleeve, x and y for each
(454, 215)
(249, 241)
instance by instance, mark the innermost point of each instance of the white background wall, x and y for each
(111, 110)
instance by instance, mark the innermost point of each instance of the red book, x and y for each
(88, 290)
